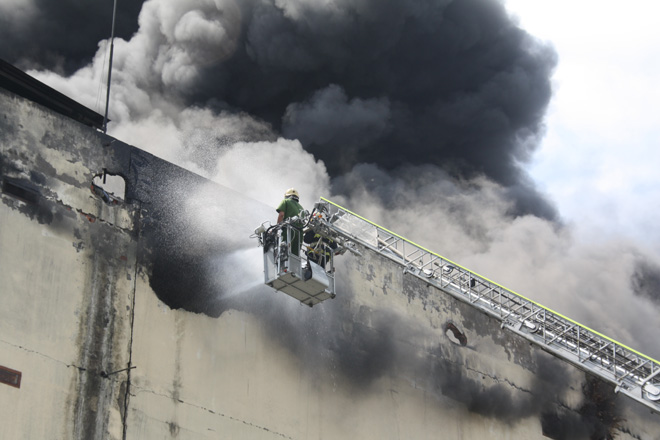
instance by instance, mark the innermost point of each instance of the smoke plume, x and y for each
(451, 83)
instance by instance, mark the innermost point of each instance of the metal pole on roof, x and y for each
(112, 49)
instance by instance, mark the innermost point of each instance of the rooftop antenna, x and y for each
(112, 49)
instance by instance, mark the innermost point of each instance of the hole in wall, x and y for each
(455, 335)
(111, 188)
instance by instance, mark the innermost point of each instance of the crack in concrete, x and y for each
(245, 422)
(43, 355)
(496, 379)
(484, 374)
(91, 217)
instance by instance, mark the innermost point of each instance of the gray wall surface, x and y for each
(127, 321)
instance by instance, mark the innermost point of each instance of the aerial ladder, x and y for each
(631, 372)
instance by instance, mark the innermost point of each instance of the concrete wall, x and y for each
(129, 320)
(67, 277)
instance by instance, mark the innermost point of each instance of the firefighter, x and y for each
(291, 207)
(320, 248)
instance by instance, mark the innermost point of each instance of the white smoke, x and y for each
(467, 222)
(175, 40)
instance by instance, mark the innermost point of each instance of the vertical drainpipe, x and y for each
(127, 395)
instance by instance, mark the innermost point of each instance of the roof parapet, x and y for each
(20, 83)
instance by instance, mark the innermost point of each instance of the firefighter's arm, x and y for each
(280, 216)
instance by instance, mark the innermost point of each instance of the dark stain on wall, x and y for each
(598, 418)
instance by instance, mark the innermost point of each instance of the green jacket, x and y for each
(290, 207)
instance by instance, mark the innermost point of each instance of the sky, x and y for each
(599, 159)
(518, 146)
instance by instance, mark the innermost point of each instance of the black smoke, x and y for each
(62, 36)
(454, 84)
